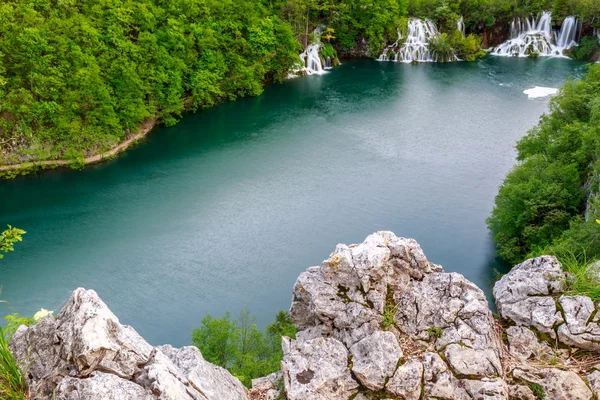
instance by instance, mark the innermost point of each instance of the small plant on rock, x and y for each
(537, 390)
(435, 332)
(389, 311)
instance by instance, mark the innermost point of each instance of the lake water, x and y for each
(224, 210)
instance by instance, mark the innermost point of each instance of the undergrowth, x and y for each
(12, 379)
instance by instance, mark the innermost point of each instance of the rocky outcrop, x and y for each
(376, 320)
(533, 295)
(400, 325)
(85, 353)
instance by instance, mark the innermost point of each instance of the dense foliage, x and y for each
(77, 76)
(240, 346)
(377, 22)
(542, 205)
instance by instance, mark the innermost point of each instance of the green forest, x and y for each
(550, 202)
(79, 77)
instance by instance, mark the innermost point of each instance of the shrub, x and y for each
(240, 347)
(586, 49)
(12, 379)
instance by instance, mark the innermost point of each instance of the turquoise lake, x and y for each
(224, 210)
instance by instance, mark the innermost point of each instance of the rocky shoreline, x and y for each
(376, 320)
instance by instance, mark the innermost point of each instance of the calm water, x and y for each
(224, 210)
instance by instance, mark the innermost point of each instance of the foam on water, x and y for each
(540, 91)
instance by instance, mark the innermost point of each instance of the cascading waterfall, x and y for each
(535, 37)
(311, 57)
(415, 48)
(461, 26)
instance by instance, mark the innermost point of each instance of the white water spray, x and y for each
(461, 26)
(531, 36)
(416, 46)
(311, 57)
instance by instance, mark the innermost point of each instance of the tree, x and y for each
(8, 238)
(240, 346)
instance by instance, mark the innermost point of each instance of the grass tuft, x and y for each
(12, 379)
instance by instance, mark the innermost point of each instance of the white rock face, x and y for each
(372, 296)
(531, 295)
(85, 353)
(375, 359)
(525, 294)
(557, 384)
(316, 368)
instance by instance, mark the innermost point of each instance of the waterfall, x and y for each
(311, 57)
(328, 63)
(415, 48)
(567, 37)
(461, 26)
(531, 36)
(311, 60)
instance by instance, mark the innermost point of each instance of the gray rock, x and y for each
(524, 294)
(375, 358)
(316, 369)
(594, 382)
(520, 392)
(406, 382)
(268, 388)
(524, 344)
(465, 361)
(212, 381)
(577, 331)
(557, 384)
(439, 382)
(100, 386)
(486, 389)
(86, 352)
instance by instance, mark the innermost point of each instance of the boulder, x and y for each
(524, 344)
(316, 369)
(525, 295)
(369, 297)
(375, 359)
(85, 352)
(556, 384)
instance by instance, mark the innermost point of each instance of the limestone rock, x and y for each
(210, 380)
(375, 359)
(525, 294)
(577, 331)
(557, 384)
(439, 381)
(594, 382)
(85, 353)
(465, 361)
(520, 392)
(524, 344)
(267, 388)
(486, 389)
(316, 369)
(100, 386)
(371, 296)
(406, 382)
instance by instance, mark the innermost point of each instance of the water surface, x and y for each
(225, 209)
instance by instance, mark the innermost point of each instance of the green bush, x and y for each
(586, 49)
(239, 346)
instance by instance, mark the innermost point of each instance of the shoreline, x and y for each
(25, 167)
